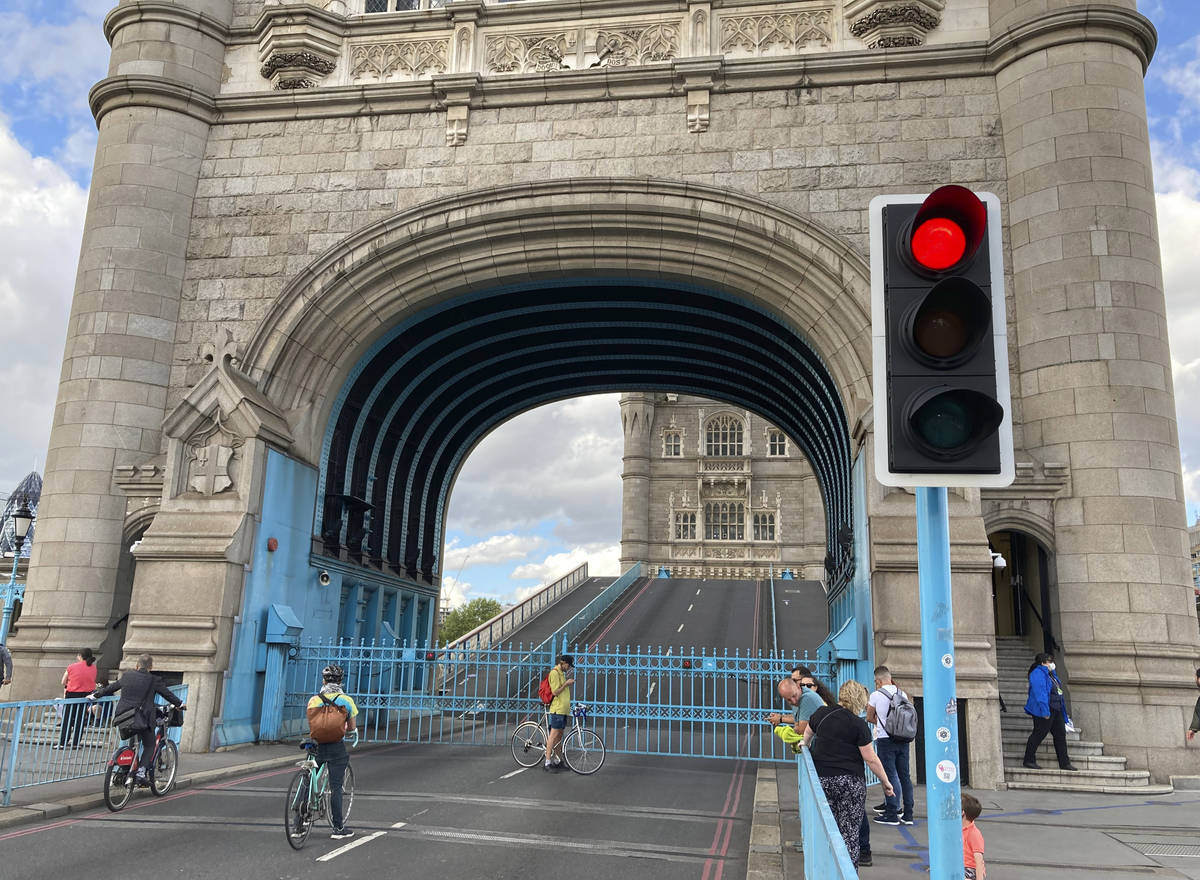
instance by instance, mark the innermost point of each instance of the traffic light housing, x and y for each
(942, 403)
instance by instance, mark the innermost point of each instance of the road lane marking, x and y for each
(514, 773)
(341, 850)
(690, 607)
(650, 693)
(669, 650)
(680, 628)
(399, 824)
(697, 592)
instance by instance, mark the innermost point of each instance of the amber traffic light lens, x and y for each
(941, 333)
(938, 243)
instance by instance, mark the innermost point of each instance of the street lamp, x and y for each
(22, 519)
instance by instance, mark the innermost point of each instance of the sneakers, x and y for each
(908, 821)
(342, 834)
(864, 860)
(547, 766)
(882, 808)
(884, 820)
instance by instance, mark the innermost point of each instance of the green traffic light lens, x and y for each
(944, 423)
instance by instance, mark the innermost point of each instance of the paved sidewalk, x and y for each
(56, 799)
(1030, 835)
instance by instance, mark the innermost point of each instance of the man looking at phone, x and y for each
(559, 709)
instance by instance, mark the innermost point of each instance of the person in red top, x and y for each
(78, 681)
(974, 868)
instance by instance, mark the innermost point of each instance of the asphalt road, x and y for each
(422, 811)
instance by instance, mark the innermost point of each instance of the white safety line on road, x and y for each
(680, 628)
(399, 824)
(650, 692)
(690, 607)
(697, 592)
(669, 650)
(514, 773)
(349, 846)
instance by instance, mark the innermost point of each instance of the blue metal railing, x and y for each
(33, 734)
(570, 631)
(645, 700)
(825, 853)
(494, 630)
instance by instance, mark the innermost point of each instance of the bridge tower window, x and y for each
(776, 443)
(672, 444)
(723, 436)
(724, 522)
(764, 527)
(685, 527)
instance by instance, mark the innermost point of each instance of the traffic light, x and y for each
(942, 406)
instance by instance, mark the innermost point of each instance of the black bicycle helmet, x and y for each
(333, 673)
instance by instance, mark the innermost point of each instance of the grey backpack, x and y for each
(901, 720)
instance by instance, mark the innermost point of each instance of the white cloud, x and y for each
(603, 561)
(496, 549)
(54, 64)
(454, 592)
(41, 223)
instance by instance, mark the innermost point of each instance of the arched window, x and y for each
(672, 444)
(764, 527)
(776, 443)
(723, 436)
(724, 522)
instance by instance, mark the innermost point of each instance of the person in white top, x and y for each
(893, 756)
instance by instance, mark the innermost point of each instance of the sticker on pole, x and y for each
(946, 771)
(943, 734)
(948, 660)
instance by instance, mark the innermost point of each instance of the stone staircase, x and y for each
(1097, 772)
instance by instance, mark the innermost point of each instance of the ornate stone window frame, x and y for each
(772, 434)
(733, 443)
(673, 449)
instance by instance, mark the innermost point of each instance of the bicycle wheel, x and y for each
(162, 774)
(529, 743)
(347, 799)
(584, 751)
(118, 787)
(297, 813)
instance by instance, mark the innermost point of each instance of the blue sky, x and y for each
(541, 493)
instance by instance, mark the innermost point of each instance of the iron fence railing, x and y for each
(43, 741)
(647, 700)
(825, 853)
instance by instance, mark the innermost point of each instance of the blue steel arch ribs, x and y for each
(616, 336)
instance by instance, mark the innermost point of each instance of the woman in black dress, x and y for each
(841, 746)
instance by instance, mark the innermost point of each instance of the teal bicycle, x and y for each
(308, 795)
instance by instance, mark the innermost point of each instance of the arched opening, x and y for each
(1025, 602)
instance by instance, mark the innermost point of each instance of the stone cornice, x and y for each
(165, 13)
(1104, 24)
(116, 92)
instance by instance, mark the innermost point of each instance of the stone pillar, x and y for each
(637, 416)
(1092, 366)
(153, 117)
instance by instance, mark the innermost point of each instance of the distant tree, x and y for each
(465, 618)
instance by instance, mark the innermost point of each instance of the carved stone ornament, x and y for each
(887, 24)
(776, 33)
(410, 59)
(295, 70)
(210, 455)
(529, 53)
(631, 46)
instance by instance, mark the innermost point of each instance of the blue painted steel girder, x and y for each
(420, 400)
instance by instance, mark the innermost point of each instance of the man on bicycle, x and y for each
(559, 709)
(332, 753)
(138, 687)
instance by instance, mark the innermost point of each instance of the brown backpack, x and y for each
(327, 722)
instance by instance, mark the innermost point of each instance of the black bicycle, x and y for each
(121, 777)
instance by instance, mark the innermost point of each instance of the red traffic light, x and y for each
(687, 664)
(429, 655)
(948, 228)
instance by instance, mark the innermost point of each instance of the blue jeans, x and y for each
(894, 757)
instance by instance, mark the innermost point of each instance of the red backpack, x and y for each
(545, 692)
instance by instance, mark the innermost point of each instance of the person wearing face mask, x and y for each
(1049, 711)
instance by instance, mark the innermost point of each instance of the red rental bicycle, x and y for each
(120, 779)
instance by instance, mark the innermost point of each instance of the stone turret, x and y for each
(153, 112)
(1093, 368)
(637, 415)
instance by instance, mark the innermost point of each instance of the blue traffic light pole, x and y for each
(942, 773)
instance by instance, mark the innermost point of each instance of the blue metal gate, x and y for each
(660, 701)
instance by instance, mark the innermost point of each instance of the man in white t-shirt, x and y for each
(893, 756)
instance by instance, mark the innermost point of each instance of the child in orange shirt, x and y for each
(972, 839)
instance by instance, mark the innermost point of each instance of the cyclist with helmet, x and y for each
(333, 754)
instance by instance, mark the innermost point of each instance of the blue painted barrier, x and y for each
(825, 853)
(30, 731)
